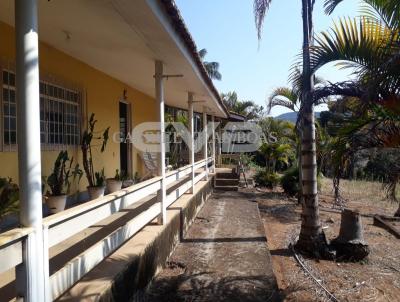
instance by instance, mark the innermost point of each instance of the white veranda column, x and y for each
(213, 142)
(220, 144)
(159, 79)
(205, 141)
(191, 137)
(30, 275)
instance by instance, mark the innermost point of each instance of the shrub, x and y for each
(9, 196)
(266, 179)
(290, 181)
(379, 166)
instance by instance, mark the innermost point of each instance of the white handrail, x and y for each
(177, 174)
(87, 206)
(63, 225)
(61, 228)
(11, 247)
(199, 164)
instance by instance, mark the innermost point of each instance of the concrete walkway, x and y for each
(223, 257)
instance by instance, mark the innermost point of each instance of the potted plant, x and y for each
(128, 180)
(9, 203)
(96, 180)
(59, 182)
(114, 184)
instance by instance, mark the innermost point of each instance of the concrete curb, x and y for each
(129, 270)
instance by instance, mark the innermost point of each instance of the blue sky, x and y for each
(226, 29)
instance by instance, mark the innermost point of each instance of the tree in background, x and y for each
(359, 134)
(211, 67)
(290, 98)
(277, 153)
(249, 109)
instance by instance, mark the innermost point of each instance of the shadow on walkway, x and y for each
(204, 286)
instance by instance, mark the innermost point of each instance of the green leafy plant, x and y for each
(99, 178)
(59, 180)
(118, 176)
(266, 179)
(136, 178)
(9, 196)
(95, 179)
(290, 181)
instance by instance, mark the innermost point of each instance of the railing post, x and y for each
(213, 141)
(205, 141)
(30, 276)
(159, 85)
(191, 137)
(46, 268)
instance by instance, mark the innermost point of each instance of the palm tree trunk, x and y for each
(300, 194)
(311, 239)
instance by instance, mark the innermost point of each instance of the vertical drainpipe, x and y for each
(161, 195)
(213, 142)
(30, 274)
(191, 137)
(205, 141)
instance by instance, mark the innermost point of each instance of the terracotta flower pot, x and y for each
(56, 204)
(95, 192)
(113, 185)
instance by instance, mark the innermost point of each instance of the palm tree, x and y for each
(311, 239)
(248, 109)
(371, 46)
(212, 68)
(290, 97)
(275, 153)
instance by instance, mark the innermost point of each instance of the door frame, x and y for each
(129, 130)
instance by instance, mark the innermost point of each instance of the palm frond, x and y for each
(202, 53)
(387, 11)
(260, 8)
(352, 43)
(212, 70)
(330, 5)
(347, 89)
(283, 96)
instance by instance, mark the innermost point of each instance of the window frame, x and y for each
(8, 147)
(47, 97)
(48, 81)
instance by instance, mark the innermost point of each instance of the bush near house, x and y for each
(290, 181)
(266, 179)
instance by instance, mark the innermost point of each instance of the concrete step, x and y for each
(226, 188)
(226, 182)
(226, 175)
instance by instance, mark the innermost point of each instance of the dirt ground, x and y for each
(376, 279)
(223, 256)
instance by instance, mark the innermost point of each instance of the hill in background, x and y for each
(292, 116)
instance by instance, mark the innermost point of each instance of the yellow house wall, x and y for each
(101, 95)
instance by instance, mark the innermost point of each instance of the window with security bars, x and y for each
(59, 113)
(9, 109)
